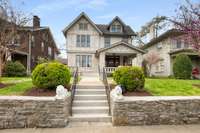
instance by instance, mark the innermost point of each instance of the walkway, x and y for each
(105, 128)
(90, 103)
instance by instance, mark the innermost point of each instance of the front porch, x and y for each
(112, 61)
(119, 54)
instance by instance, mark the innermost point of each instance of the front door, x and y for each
(112, 61)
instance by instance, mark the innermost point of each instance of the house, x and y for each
(91, 46)
(168, 44)
(31, 43)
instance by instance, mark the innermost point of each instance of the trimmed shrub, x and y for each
(182, 67)
(132, 78)
(49, 75)
(14, 69)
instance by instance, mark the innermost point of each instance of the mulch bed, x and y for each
(135, 93)
(42, 92)
(4, 85)
(196, 85)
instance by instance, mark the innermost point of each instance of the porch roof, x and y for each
(184, 51)
(120, 43)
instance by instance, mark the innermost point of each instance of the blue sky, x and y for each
(57, 14)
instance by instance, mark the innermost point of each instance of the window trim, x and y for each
(83, 41)
(107, 42)
(84, 61)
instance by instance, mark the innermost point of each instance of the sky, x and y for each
(57, 14)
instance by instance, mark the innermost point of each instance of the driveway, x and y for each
(108, 128)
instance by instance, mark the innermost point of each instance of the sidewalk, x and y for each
(108, 128)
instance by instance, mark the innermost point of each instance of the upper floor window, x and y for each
(83, 26)
(107, 42)
(49, 51)
(83, 41)
(178, 44)
(32, 41)
(116, 28)
(42, 46)
(16, 40)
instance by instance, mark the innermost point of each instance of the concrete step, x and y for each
(91, 103)
(90, 91)
(90, 86)
(91, 110)
(90, 118)
(90, 97)
(89, 74)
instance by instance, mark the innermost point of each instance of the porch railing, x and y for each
(73, 86)
(107, 87)
(110, 70)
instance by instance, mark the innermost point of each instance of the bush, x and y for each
(49, 75)
(14, 69)
(182, 67)
(132, 78)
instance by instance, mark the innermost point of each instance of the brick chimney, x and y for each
(36, 22)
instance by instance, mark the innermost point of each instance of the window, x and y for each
(83, 26)
(84, 60)
(83, 41)
(178, 44)
(116, 28)
(16, 40)
(32, 41)
(107, 42)
(49, 51)
(42, 46)
(160, 66)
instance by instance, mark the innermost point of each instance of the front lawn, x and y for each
(16, 89)
(20, 86)
(170, 87)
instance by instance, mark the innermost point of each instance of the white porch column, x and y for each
(102, 61)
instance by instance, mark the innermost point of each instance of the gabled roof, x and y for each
(31, 29)
(169, 33)
(126, 32)
(77, 19)
(117, 19)
(121, 43)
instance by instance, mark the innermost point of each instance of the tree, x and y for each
(10, 22)
(151, 58)
(187, 21)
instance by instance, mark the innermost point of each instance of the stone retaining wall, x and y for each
(22, 111)
(155, 110)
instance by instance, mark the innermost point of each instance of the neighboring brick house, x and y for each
(168, 45)
(91, 45)
(33, 42)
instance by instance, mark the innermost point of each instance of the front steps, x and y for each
(90, 102)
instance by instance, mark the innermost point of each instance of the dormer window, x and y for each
(83, 26)
(116, 28)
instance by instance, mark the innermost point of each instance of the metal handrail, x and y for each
(107, 87)
(73, 86)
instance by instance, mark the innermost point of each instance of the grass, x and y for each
(14, 79)
(17, 89)
(21, 85)
(170, 87)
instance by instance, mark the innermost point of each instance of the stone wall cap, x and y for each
(25, 98)
(158, 98)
